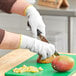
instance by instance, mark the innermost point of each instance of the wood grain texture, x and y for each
(14, 58)
(54, 3)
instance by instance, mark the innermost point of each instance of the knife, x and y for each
(43, 38)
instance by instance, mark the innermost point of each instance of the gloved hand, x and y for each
(35, 20)
(37, 46)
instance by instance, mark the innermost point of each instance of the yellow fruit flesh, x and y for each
(25, 68)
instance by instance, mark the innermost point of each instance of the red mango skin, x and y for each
(62, 63)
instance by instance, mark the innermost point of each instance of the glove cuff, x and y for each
(31, 10)
(26, 42)
(25, 11)
(20, 41)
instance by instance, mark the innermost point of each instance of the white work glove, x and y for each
(35, 20)
(37, 46)
(31, 1)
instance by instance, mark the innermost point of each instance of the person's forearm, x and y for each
(19, 7)
(10, 41)
(14, 6)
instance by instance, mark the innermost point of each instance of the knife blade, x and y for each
(43, 38)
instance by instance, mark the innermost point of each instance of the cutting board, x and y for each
(48, 70)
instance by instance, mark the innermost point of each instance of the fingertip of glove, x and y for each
(43, 58)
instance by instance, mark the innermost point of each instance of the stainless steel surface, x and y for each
(70, 34)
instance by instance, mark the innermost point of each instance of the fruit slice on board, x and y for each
(47, 60)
